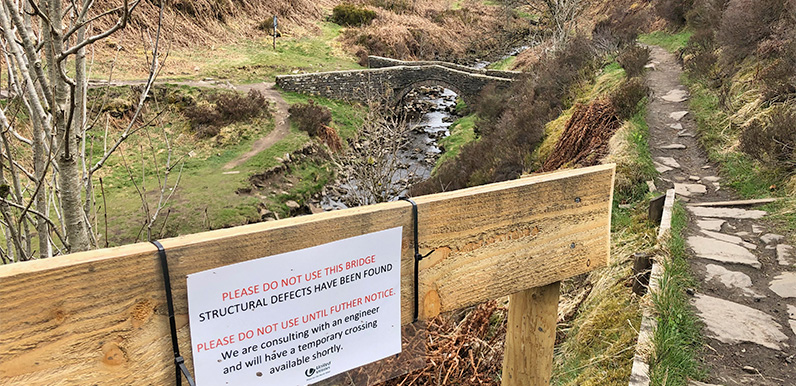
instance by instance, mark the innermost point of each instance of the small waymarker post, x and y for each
(100, 317)
(276, 23)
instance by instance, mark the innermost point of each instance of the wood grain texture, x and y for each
(99, 317)
(531, 336)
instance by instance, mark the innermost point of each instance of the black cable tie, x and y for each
(179, 361)
(418, 256)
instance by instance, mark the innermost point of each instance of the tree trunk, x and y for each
(68, 167)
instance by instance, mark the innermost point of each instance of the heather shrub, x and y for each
(236, 107)
(673, 11)
(628, 96)
(206, 117)
(772, 140)
(491, 103)
(351, 15)
(745, 24)
(618, 30)
(778, 78)
(633, 59)
(310, 117)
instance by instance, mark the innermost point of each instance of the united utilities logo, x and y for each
(309, 372)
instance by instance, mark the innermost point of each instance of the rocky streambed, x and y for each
(429, 112)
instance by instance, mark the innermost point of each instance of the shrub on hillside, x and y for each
(779, 78)
(235, 107)
(627, 97)
(673, 11)
(773, 140)
(351, 15)
(207, 117)
(266, 25)
(618, 30)
(205, 120)
(310, 116)
(512, 123)
(745, 24)
(633, 59)
(397, 6)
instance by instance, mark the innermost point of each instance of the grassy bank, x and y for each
(462, 132)
(209, 197)
(600, 339)
(678, 336)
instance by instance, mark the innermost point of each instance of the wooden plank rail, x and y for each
(99, 318)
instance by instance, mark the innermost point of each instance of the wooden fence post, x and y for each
(531, 335)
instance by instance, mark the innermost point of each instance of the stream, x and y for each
(419, 153)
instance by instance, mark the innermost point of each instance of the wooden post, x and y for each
(531, 335)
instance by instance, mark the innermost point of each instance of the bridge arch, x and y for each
(400, 94)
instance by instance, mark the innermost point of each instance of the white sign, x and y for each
(299, 317)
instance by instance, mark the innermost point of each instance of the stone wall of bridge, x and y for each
(390, 83)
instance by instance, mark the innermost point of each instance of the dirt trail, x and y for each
(746, 273)
(281, 122)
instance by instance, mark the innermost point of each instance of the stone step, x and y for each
(730, 239)
(722, 251)
(734, 323)
(784, 285)
(731, 279)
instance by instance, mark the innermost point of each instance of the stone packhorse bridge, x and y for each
(390, 78)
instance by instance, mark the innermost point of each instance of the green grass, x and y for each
(462, 132)
(677, 338)
(634, 162)
(671, 42)
(256, 60)
(206, 198)
(503, 64)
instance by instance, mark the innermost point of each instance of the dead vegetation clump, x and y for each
(586, 135)
(465, 348)
(329, 136)
(432, 30)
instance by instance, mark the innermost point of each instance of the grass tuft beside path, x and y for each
(677, 338)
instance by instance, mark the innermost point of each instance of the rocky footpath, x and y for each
(747, 295)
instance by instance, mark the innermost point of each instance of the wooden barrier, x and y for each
(99, 317)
